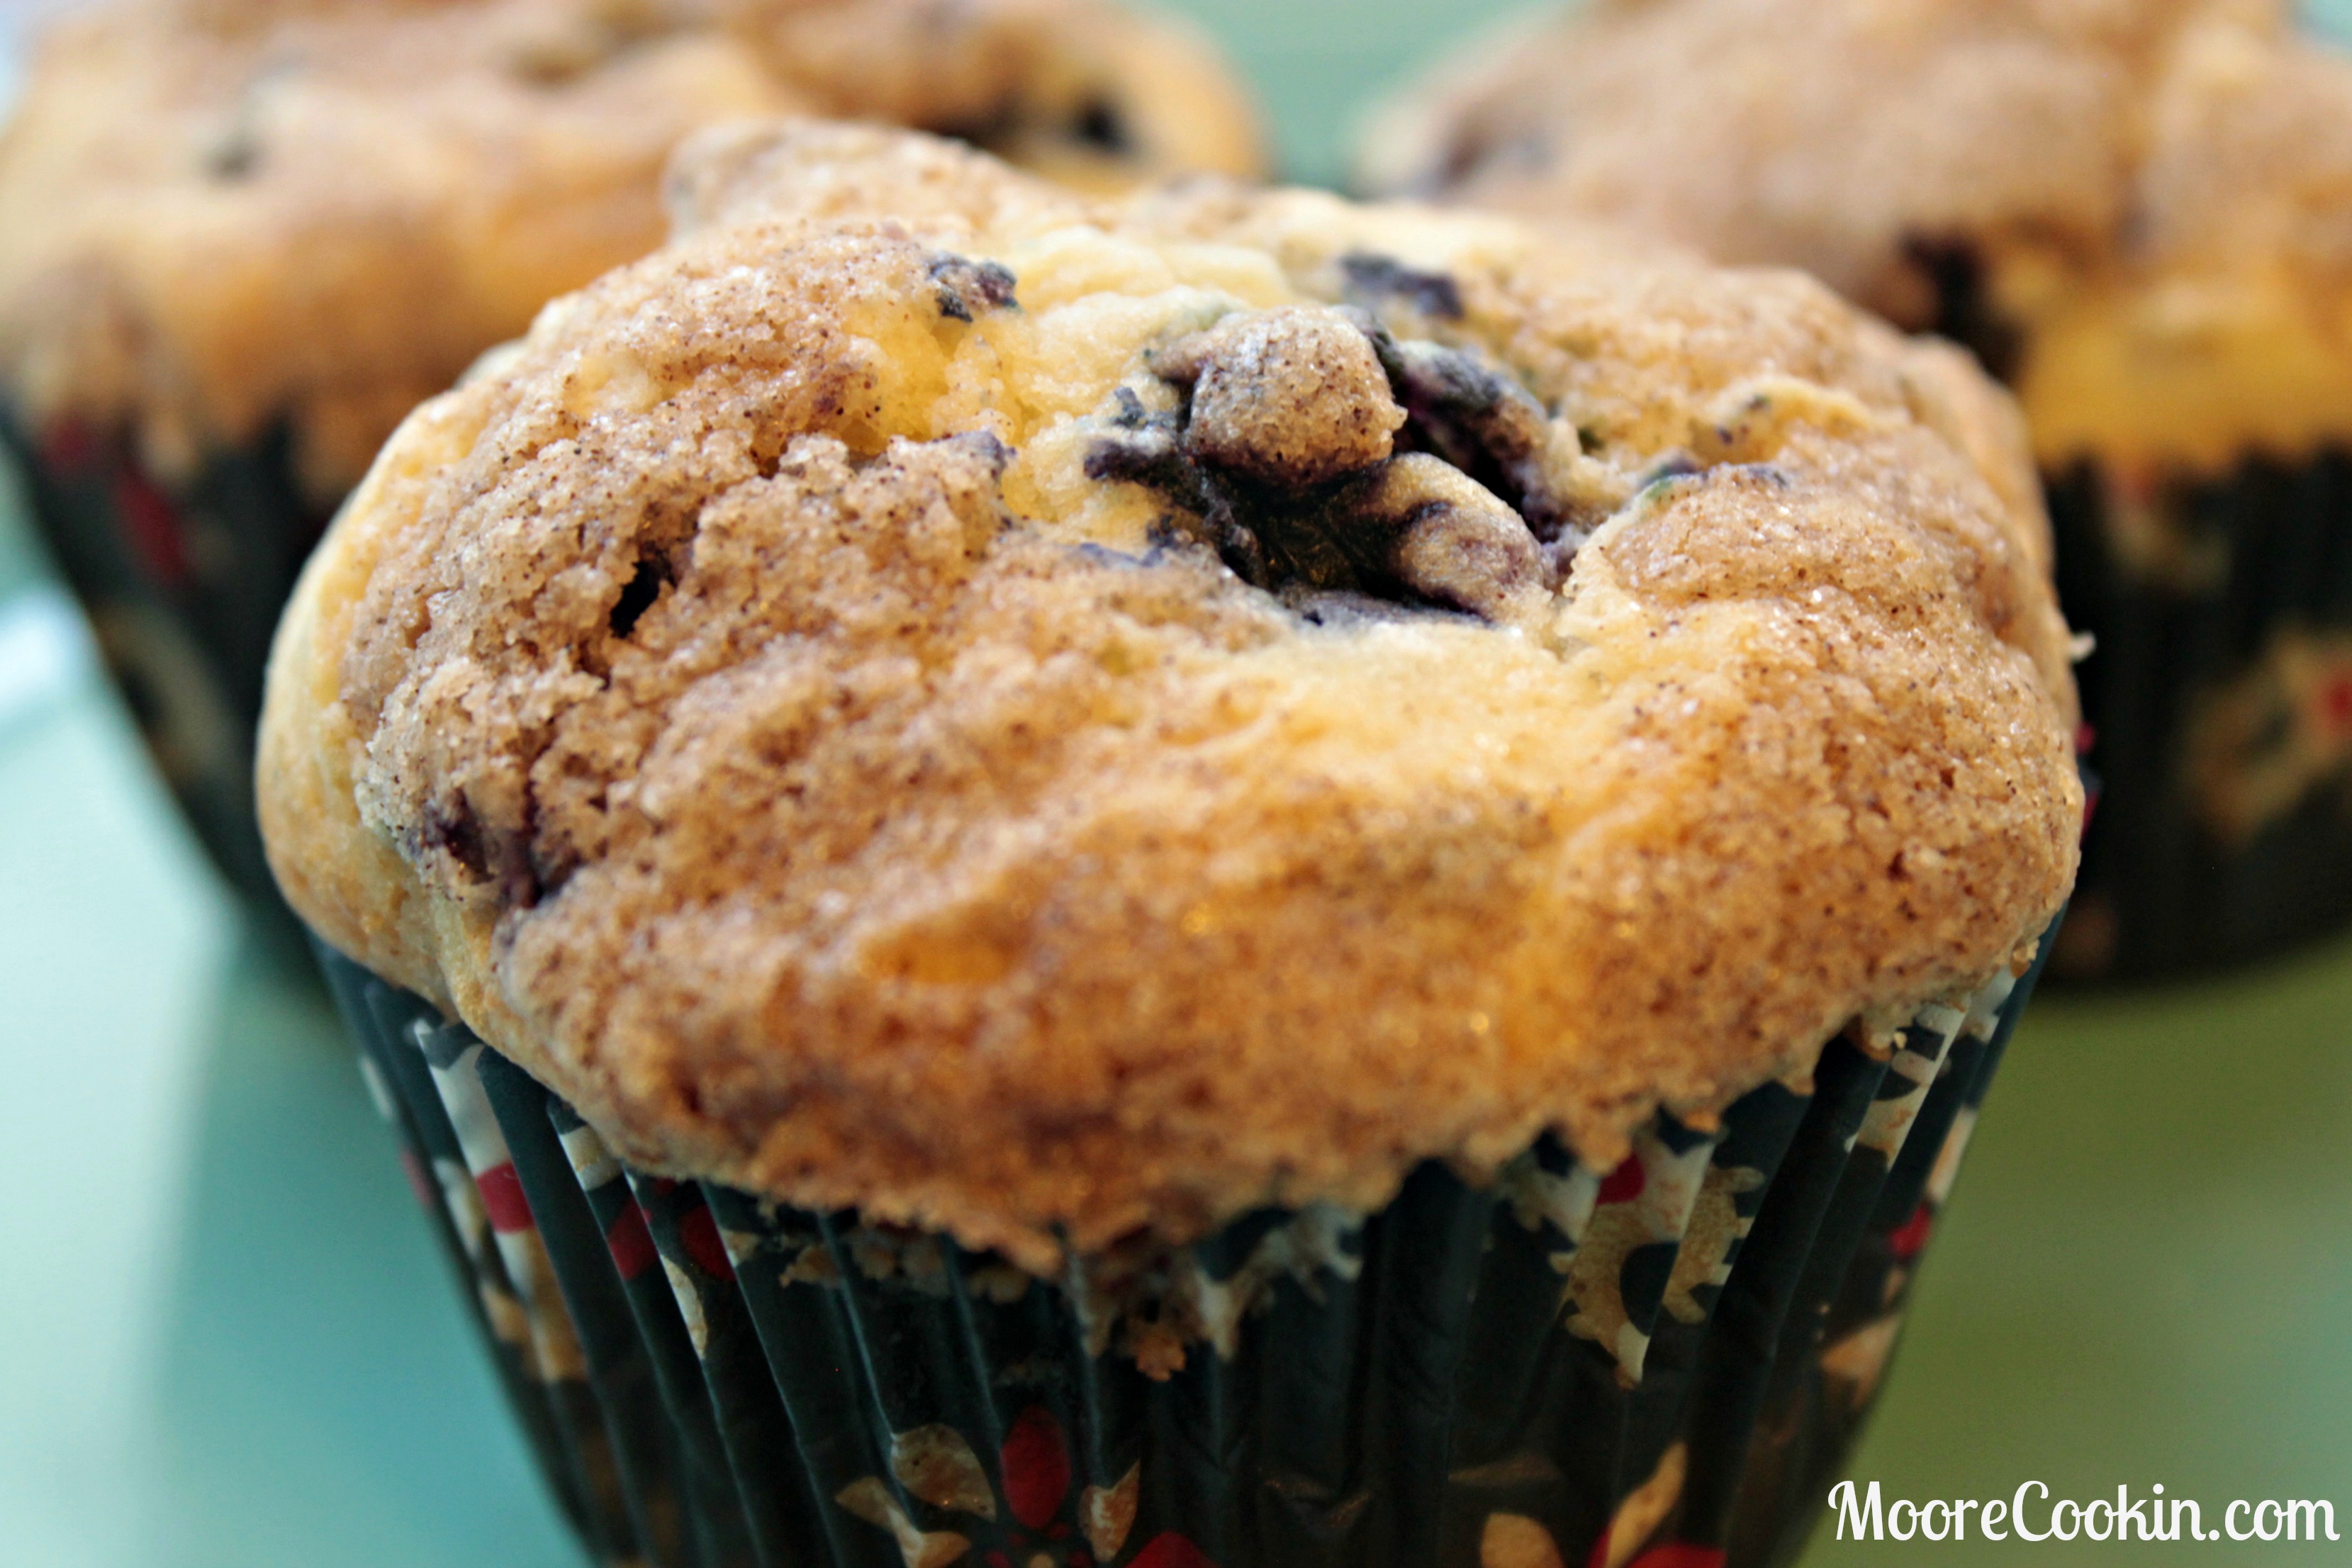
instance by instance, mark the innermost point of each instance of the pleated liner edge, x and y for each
(183, 584)
(1662, 1365)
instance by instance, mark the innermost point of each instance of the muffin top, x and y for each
(2136, 208)
(217, 214)
(1057, 719)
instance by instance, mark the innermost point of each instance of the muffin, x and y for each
(1211, 872)
(240, 240)
(2135, 215)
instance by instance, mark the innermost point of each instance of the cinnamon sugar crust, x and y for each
(859, 704)
(217, 214)
(2143, 200)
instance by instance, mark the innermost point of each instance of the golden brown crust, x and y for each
(1738, 126)
(2147, 193)
(219, 214)
(783, 707)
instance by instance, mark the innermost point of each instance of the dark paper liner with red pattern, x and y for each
(1661, 1365)
(2220, 700)
(182, 584)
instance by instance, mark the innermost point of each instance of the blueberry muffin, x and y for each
(240, 240)
(1113, 799)
(2134, 214)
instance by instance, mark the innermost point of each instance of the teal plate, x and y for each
(227, 1340)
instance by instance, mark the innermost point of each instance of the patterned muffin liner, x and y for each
(1660, 1365)
(182, 585)
(2217, 701)
(2220, 696)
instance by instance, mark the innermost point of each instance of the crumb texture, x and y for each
(216, 215)
(2133, 207)
(1059, 720)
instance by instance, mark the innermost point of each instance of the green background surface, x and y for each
(226, 1340)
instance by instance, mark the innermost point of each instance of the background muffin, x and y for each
(2132, 213)
(239, 241)
(1033, 734)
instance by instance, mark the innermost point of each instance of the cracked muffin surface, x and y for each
(2134, 211)
(216, 215)
(1056, 720)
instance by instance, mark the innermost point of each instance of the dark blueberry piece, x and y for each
(1153, 456)
(1100, 125)
(1372, 279)
(967, 288)
(497, 859)
(1283, 462)
(1304, 548)
(459, 835)
(1448, 540)
(1240, 547)
(1772, 474)
(1482, 421)
(991, 447)
(1666, 470)
(1149, 454)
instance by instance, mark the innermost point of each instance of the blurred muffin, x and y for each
(239, 241)
(1116, 802)
(2136, 215)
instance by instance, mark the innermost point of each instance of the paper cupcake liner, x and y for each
(1661, 1364)
(182, 585)
(2222, 699)
(390, 1026)
(1842, 1324)
(2219, 700)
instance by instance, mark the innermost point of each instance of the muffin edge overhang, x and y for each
(307, 219)
(1031, 1165)
(2136, 208)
